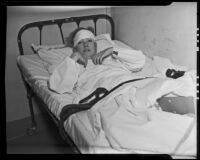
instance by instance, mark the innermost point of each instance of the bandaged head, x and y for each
(82, 34)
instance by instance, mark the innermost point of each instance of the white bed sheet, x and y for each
(33, 70)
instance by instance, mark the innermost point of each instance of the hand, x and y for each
(98, 58)
(77, 57)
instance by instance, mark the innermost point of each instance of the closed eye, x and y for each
(80, 42)
(90, 40)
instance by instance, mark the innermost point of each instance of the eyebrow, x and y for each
(87, 39)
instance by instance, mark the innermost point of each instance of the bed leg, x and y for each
(32, 130)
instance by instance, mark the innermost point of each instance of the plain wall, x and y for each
(167, 31)
(17, 16)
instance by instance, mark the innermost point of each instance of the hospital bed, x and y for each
(80, 130)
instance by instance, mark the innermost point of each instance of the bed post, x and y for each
(32, 130)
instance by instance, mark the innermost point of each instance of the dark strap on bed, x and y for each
(87, 103)
(99, 91)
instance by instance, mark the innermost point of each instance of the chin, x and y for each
(88, 54)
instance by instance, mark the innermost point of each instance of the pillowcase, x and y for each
(103, 42)
(52, 55)
(38, 47)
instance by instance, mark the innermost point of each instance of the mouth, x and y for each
(87, 50)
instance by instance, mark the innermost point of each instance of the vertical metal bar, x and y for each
(20, 46)
(33, 127)
(40, 28)
(95, 26)
(78, 23)
(60, 28)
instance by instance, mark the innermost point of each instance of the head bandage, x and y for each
(82, 34)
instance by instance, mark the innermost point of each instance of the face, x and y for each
(87, 47)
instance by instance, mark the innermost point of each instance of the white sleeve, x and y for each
(131, 59)
(64, 76)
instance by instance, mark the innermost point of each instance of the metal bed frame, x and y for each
(30, 92)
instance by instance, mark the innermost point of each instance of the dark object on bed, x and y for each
(179, 105)
(172, 73)
(30, 92)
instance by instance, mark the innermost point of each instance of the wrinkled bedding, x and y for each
(129, 118)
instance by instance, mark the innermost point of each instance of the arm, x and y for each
(98, 58)
(131, 59)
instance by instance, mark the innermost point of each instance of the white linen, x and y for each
(32, 67)
(52, 56)
(144, 130)
(103, 42)
(117, 116)
(190, 85)
(37, 77)
(64, 76)
(130, 127)
(129, 60)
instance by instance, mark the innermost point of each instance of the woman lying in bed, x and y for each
(89, 51)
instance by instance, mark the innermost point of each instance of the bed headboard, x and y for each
(59, 23)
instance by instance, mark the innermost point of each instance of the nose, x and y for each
(85, 43)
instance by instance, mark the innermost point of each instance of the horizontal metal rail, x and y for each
(59, 23)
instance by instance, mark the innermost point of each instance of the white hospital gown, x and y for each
(68, 73)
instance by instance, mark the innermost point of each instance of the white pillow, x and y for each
(148, 95)
(103, 42)
(38, 47)
(52, 55)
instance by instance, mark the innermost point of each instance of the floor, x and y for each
(46, 141)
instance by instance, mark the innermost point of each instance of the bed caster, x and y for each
(31, 131)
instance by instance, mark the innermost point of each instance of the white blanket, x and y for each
(128, 116)
(132, 128)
